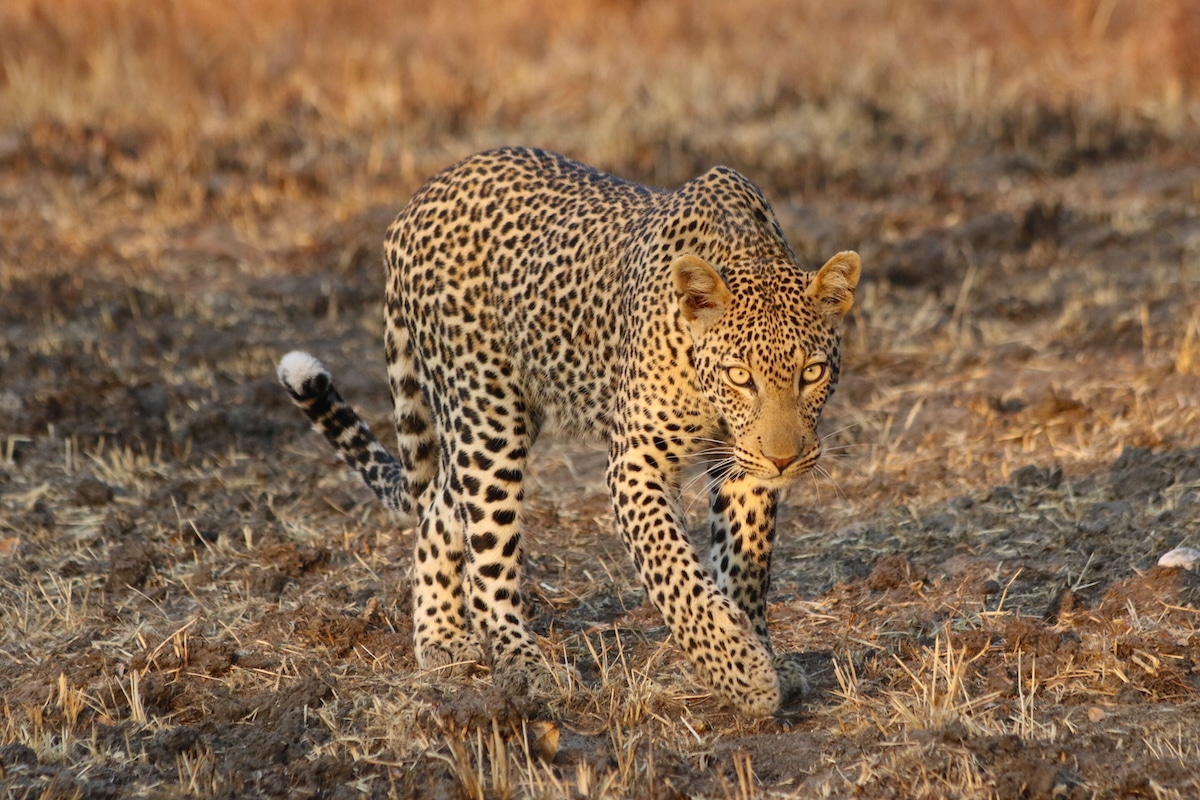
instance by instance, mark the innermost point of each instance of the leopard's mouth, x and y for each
(773, 477)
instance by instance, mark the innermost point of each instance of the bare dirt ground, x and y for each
(198, 599)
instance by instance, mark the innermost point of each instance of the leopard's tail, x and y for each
(311, 388)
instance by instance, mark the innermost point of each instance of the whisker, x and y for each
(838, 454)
(715, 447)
(717, 464)
(824, 473)
(717, 475)
(812, 477)
(718, 478)
(842, 429)
(687, 487)
(720, 457)
(711, 457)
(704, 439)
(848, 446)
(711, 454)
(845, 462)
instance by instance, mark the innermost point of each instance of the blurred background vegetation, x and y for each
(798, 92)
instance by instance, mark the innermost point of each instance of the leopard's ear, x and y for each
(833, 285)
(703, 295)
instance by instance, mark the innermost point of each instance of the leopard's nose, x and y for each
(782, 463)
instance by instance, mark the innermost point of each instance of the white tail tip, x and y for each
(297, 368)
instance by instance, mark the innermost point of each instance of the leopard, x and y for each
(675, 326)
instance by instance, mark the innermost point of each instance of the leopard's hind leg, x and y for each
(416, 437)
(441, 632)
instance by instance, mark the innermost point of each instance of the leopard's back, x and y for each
(520, 250)
(562, 268)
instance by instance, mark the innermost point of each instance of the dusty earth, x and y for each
(198, 599)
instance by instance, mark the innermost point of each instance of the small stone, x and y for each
(1181, 558)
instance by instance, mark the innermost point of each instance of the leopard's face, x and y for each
(765, 347)
(769, 375)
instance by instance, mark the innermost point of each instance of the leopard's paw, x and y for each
(533, 675)
(759, 694)
(793, 676)
(748, 682)
(451, 657)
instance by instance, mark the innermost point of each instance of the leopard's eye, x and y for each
(740, 376)
(813, 373)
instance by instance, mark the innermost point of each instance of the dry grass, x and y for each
(285, 99)
(197, 600)
(362, 67)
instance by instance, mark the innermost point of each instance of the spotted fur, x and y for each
(522, 287)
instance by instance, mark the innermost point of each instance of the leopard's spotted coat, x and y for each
(523, 286)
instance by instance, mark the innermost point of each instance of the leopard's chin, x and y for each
(777, 480)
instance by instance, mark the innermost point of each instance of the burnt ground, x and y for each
(199, 599)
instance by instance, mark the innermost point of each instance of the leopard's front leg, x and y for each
(742, 515)
(714, 632)
(742, 523)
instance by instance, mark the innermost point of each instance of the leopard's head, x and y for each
(765, 342)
